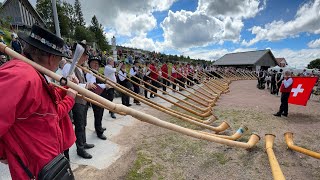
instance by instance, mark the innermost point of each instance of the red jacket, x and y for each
(31, 118)
(164, 70)
(174, 74)
(153, 72)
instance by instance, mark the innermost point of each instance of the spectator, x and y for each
(15, 43)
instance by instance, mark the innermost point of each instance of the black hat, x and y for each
(94, 58)
(45, 41)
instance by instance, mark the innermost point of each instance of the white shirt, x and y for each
(92, 79)
(287, 82)
(109, 72)
(65, 72)
(146, 72)
(132, 72)
(122, 76)
(173, 70)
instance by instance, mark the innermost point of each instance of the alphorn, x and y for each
(254, 138)
(206, 113)
(275, 167)
(207, 99)
(187, 96)
(88, 99)
(223, 86)
(238, 134)
(207, 91)
(289, 140)
(180, 115)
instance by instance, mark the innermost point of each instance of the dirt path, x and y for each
(161, 154)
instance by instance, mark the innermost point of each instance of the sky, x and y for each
(208, 29)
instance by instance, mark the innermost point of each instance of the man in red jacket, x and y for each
(34, 123)
(164, 73)
(154, 77)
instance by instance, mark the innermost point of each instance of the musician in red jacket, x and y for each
(154, 77)
(164, 72)
(285, 90)
(34, 122)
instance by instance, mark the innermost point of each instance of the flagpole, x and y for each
(55, 17)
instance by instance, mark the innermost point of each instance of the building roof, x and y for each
(279, 60)
(30, 7)
(243, 58)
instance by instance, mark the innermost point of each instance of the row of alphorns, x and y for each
(275, 167)
(208, 98)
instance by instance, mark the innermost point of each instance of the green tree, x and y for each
(97, 29)
(314, 64)
(65, 16)
(78, 14)
(83, 33)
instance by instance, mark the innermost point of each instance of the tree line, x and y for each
(72, 23)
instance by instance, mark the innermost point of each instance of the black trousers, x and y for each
(166, 83)
(124, 98)
(189, 81)
(174, 84)
(273, 87)
(277, 89)
(284, 103)
(79, 112)
(154, 83)
(98, 114)
(109, 95)
(136, 89)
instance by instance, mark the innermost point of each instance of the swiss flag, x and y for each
(301, 90)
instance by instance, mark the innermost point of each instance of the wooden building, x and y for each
(254, 60)
(21, 13)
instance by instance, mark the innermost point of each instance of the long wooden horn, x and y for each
(206, 98)
(134, 113)
(162, 97)
(180, 115)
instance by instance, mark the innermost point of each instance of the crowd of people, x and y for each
(38, 118)
(273, 79)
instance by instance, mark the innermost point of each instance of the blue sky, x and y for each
(208, 29)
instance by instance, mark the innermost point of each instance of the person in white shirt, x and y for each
(110, 73)
(122, 74)
(135, 74)
(80, 107)
(94, 63)
(285, 90)
(146, 73)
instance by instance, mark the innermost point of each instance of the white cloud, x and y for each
(142, 42)
(298, 58)
(306, 19)
(231, 8)
(212, 54)
(314, 43)
(212, 23)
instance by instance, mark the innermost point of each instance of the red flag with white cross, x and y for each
(301, 90)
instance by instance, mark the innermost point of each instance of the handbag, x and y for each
(57, 169)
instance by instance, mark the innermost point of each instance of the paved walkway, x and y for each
(105, 152)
